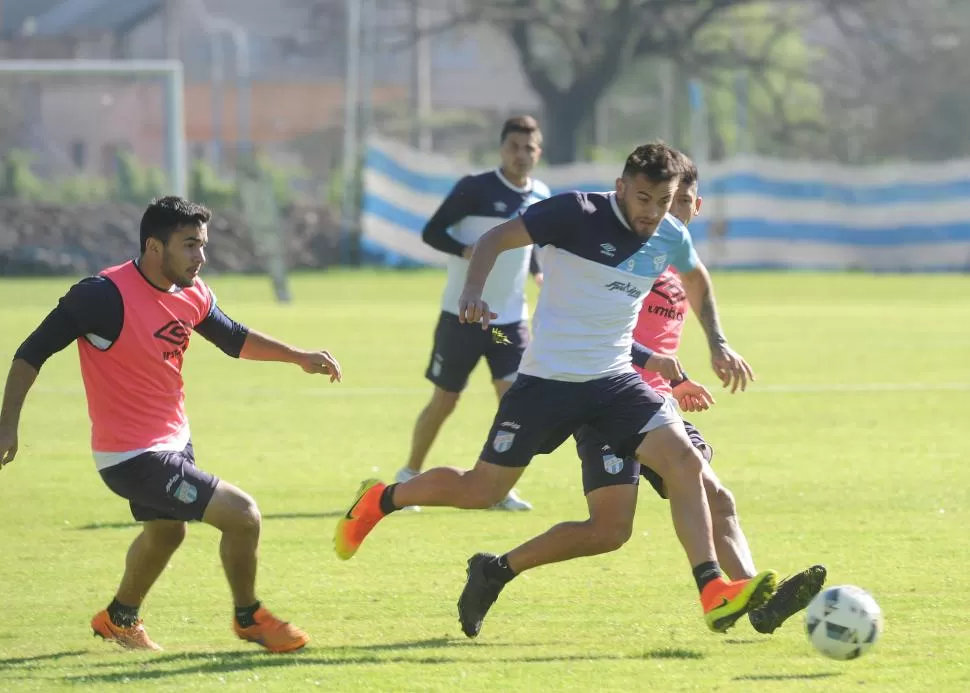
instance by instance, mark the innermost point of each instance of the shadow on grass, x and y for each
(672, 653)
(18, 661)
(266, 516)
(788, 677)
(163, 666)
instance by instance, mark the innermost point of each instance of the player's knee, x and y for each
(683, 465)
(168, 535)
(443, 403)
(611, 535)
(483, 490)
(250, 519)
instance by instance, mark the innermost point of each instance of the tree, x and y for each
(572, 51)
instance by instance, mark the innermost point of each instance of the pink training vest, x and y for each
(134, 388)
(661, 323)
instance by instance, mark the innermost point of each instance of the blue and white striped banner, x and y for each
(757, 213)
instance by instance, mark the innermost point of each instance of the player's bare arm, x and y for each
(506, 236)
(261, 347)
(729, 366)
(19, 381)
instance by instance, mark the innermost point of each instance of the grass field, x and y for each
(850, 450)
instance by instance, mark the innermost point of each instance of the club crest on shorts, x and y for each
(186, 492)
(612, 464)
(503, 441)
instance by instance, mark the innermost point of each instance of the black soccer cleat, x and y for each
(478, 596)
(794, 594)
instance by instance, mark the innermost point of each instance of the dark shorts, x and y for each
(162, 485)
(459, 346)
(537, 415)
(601, 467)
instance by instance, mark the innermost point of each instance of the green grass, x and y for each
(850, 450)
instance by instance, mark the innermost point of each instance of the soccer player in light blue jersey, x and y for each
(600, 254)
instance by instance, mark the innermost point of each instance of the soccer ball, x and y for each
(843, 622)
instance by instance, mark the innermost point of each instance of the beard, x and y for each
(183, 280)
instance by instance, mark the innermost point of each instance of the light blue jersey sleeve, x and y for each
(684, 257)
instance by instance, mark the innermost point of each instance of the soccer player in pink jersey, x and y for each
(132, 324)
(657, 338)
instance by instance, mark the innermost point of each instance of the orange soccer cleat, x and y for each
(131, 638)
(272, 633)
(359, 520)
(726, 601)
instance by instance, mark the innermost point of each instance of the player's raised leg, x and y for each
(477, 488)
(147, 557)
(669, 452)
(235, 514)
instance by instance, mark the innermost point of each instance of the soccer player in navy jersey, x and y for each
(476, 204)
(600, 255)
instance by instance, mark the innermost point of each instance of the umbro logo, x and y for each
(608, 249)
(175, 332)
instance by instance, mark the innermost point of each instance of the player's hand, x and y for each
(666, 365)
(322, 363)
(693, 397)
(8, 444)
(472, 309)
(538, 278)
(731, 368)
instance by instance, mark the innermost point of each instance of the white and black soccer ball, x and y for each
(843, 622)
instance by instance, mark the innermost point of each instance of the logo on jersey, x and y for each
(612, 464)
(501, 206)
(608, 249)
(629, 289)
(660, 262)
(503, 441)
(669, 288)
(176, 333)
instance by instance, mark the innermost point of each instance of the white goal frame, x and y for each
(174, 96)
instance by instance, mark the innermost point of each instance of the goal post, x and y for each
(170, 71)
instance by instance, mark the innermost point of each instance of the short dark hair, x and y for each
(523, 123)
(165, 215)
(655, 160)
(689, 174)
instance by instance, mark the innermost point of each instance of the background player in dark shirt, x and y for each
(476, 204)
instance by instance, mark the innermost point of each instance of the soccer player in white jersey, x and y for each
(657, 338)
(600, 255)
(476, 204)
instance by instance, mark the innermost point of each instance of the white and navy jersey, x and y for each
(475, 205)
(597, 272)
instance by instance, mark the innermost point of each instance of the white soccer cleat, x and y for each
(513, 502)
(405, 474)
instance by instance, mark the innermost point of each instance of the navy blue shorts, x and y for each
(162, 485)
(458, 347)
(601, 467)
(537, 415)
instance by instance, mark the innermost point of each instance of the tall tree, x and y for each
(572, 51)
